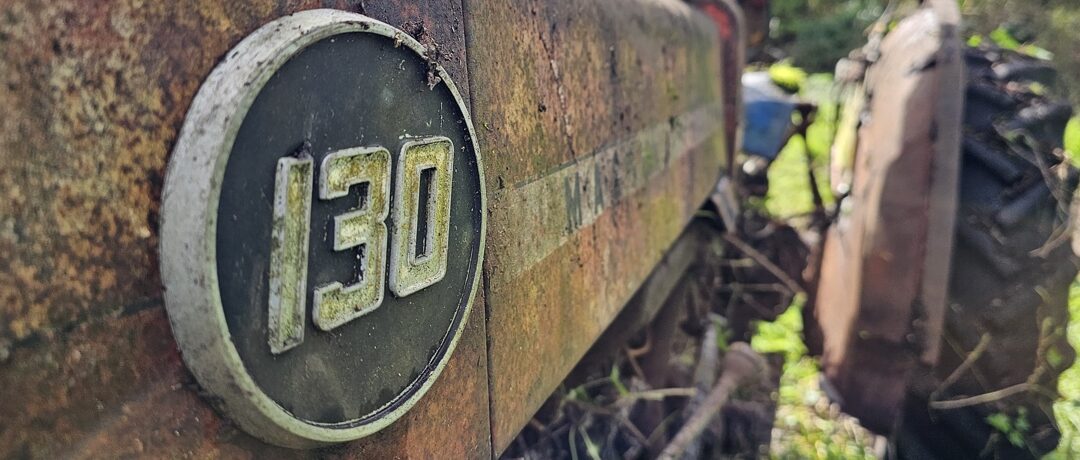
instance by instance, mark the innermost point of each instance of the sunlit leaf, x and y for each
(1004, 39)
(1072, 140)
(616, 380)
(787, 76)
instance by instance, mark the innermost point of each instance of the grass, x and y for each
(1067, 410)
(807, 425)
(789, 183)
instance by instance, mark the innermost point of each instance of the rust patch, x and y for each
(554, 309)
(92, 116)
(558, 88)
(555, 84)
(451, 421)
(94, 94)
(119, 386)
(555, 81)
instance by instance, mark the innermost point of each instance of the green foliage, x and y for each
(787, 76)
(782, 335)
(1003, 38)
(723, 338)
(789, 182)
(816, 34)
(590, 445)
(1013, 428)
(1072, 140)
(807, 425)
(1067, 409)
(820, 89)
(1043, 28)
(789, 186)
(579, 393)
(616, 381)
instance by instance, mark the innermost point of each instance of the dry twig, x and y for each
(975, 354)
(981, 399)
(760, 258)
(740, 365)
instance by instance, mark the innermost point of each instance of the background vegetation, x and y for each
(1050, 24)
(815, 34)
(807, 425)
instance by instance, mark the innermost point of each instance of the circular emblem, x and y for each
(322, 228)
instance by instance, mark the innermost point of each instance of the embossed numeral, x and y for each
(289, 253)
(421, 215)
(364, 227)
(418, 247)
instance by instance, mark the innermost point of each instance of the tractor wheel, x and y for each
(991, 393)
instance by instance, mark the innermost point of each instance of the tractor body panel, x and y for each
(602, 130)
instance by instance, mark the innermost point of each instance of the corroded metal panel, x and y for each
(601, 125)
(885, 265)
(119, 386)
(95, 94)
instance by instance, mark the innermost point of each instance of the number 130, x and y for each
(418, 238)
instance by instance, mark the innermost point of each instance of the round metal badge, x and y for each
(322, 228)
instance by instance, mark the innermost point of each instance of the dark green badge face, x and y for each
(323, 228)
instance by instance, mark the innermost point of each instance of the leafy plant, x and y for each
(1043, 28)
(816, 34)
(1072, 140)
(787, 76)
(1013, 428)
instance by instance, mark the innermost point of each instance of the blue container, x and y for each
(768, 112)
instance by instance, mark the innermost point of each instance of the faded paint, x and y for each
(573, 196)
(563, 79)
(119, 386)
(91, 93)
(602, 129)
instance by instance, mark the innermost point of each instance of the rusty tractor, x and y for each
(392, 229)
